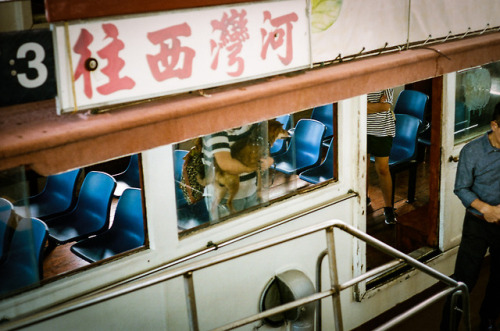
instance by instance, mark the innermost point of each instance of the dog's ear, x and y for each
(273, 123)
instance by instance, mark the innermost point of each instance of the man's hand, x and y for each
(491, 213)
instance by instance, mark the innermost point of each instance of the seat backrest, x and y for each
(6, 208)
(96, 193)
(328, 162)
(131, 175)
(406, 134)
(307, 138)
(63, 185)
(412, 103)
(25, 250)
(324, 114)
(129, 216)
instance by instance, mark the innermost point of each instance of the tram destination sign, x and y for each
(121, 59)
(26, 67)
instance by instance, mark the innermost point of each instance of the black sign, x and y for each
(26, 67)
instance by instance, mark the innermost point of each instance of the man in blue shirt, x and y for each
(477, 185)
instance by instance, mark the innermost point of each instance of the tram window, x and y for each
(33, 206)
(241, 169)
(477, 93)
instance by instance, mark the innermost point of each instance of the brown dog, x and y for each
(248, 151)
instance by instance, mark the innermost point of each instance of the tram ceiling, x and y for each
(32, 134)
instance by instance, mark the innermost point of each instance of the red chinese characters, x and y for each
(114, 63)
(233, 32)
(82, 47)
(173, 60)
(276, 36)
(229, 44)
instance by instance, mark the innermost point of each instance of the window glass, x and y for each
(238, 170)
(56, 224)
(477, 93)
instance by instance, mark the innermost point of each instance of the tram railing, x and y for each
(456, 289)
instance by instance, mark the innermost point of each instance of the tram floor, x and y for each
(406, 235)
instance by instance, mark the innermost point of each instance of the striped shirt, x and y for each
(222, 142)
(381, 124)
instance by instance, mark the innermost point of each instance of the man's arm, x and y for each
(463, 183)
(378, 107)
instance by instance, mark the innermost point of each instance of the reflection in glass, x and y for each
(477, 93)
(30, 205)
(238, 170)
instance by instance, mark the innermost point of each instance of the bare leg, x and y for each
(384, 176)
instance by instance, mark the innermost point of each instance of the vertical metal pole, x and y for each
(466, 307)
(409, 26)
(191, 301)
(334, 279)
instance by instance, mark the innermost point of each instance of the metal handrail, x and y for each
(187, 271)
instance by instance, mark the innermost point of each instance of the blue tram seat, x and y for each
(126, 233)
(279, 145)
(321, 173)
(6, 208)
(90, 215)
(304, 150)
(324, 114)
(404, 151)
(57, 197)
(129, 178)
(412, 103)
(23, 263)
(188, 216)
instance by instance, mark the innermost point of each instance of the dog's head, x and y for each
(275, 131)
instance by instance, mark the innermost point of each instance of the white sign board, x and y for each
(115, 60)
(342, 28)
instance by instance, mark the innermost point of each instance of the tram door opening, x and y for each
(415, 183)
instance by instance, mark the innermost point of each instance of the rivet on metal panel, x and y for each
(91, 64)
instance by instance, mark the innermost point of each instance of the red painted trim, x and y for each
(67, 10)
(32, 134)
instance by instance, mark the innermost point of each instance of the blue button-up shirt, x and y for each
(478, 173)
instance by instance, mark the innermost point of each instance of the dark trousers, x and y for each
(477, 237)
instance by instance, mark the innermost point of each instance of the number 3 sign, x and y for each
(26, 67)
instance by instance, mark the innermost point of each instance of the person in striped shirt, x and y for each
(217, 147)
(381, 129)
